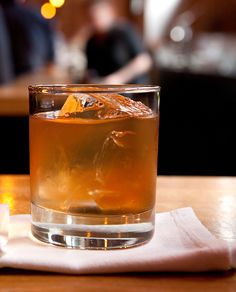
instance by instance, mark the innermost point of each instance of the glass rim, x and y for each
(92, 88)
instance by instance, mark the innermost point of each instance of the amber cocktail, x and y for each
(93, 164)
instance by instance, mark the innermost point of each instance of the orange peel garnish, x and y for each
(71, 105)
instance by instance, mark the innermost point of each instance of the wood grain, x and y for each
(212, 198)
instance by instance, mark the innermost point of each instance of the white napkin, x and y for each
(180, 243)
(4, 225)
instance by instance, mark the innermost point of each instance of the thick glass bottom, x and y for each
(92, 231)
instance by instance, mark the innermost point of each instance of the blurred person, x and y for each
(31, 37)
(70, 57)
(6, 66)
(115, 53)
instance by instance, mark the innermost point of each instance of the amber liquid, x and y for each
(85, 166)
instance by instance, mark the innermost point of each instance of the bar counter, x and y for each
(14, 99)
(212, 198)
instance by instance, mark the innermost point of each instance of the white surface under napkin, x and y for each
(180, 243)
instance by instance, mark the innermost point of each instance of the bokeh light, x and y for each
(177, 34)
(48, 11)
(7, 192)
(7, 198)
(57, 3)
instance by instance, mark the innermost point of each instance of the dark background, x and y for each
(198, 109)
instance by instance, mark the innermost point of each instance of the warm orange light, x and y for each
(7, 182)
(7, 198)
(48, 11)
(7, 193)
(57, 3)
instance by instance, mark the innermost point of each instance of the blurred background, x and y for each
(188, 47)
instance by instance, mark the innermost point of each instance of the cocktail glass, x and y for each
(93, 164)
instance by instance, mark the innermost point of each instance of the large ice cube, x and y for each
(111, 150)
(113, 156)
(103, 106)
(79, 105)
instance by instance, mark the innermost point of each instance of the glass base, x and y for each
(92, 232)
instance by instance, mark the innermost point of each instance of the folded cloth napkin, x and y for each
(180, 243)
(4, 225)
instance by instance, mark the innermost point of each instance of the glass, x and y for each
(93, 164)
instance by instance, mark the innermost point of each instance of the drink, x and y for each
(93, 167)
(94, 175)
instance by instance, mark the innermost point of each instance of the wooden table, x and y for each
(212, 198)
